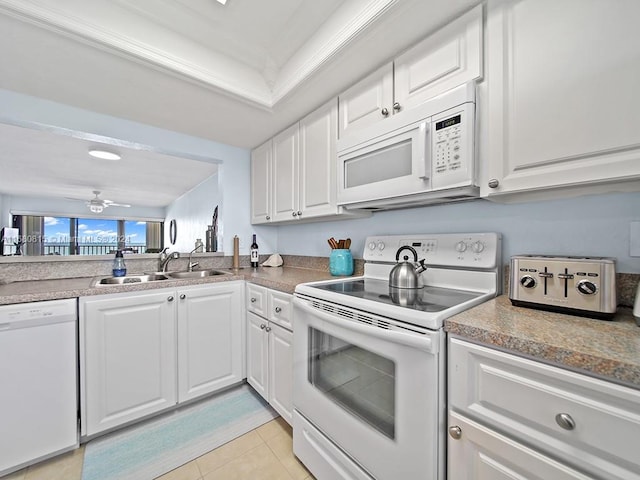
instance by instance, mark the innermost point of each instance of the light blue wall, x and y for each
(234, 171)
(596, 225)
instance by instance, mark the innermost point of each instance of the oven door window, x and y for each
(356, 379)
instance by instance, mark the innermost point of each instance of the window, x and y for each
(87, 236)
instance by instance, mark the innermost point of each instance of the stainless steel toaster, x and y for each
(583, 286)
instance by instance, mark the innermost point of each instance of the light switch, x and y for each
(634, 239)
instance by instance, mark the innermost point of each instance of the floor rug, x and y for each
(157, 446)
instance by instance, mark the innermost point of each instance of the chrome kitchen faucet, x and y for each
(165, 258)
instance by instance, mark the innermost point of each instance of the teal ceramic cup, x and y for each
(340, 262)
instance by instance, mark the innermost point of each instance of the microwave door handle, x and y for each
(417, 341)
(424, 151)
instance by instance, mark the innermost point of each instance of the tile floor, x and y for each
(265, 453)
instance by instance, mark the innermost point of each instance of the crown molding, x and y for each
(327, 44)
(253, 88)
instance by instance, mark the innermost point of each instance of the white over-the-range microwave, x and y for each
(423, 155)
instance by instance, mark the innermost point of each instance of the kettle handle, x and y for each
(407, 247)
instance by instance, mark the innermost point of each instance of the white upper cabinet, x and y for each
(261, 183)
(367, 102)
(284, 193)
(448, 58)
(317, 173)
(300, 163)
(561, 109)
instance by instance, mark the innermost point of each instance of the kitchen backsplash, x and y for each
(47, 270)
(626, 283)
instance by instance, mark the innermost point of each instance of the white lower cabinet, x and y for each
(482, 454)
(210, 346)
(515, 418)
(270, 350)
(141, 353)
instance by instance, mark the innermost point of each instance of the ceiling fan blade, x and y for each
(112, 204)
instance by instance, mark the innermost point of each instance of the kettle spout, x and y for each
(421, 267)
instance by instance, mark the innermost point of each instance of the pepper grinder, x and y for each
(236, 252)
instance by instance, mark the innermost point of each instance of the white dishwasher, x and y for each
(38, 382)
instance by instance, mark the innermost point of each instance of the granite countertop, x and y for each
(606, 349)
(283, 279)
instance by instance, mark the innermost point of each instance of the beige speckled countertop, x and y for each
(606, 349)
(284, 279)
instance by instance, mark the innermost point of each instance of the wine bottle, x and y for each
(254, 252)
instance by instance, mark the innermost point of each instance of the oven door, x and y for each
(373, 388)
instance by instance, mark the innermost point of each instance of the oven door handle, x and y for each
(418, 341)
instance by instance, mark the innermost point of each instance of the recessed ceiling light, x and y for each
(104, 155)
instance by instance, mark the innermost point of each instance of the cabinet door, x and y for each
(258, 354)
(281, 371)
(482, 454)
(584, 421)
(261, 183)
(284, 193)
(318, 136)
(209, 339)
(364, 103)
(128, 358)
(561, 105)
(448, 58)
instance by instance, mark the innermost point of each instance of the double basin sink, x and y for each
(156, 277)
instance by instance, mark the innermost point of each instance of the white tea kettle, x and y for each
(406, 274)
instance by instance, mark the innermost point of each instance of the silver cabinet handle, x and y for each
(455, 432)
(268, 217)
(299, 213)
(295, 214)
(385, 112)
(263, 326)
(565, 421)
(182, 296)
(278, 309)
(268, 329)
(253, 300)
(170, 298)
(396, 107)
(493, 183)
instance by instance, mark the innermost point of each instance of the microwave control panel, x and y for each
(452, 147)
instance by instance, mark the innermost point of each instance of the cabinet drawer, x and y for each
(281, 311)
(590, 424)
(479, 453)
(257, 299)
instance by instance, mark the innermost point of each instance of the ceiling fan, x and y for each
(97, 204)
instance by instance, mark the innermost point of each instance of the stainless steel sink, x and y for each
(130, 279)
(196, 274)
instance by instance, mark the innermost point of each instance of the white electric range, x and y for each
(369, 359)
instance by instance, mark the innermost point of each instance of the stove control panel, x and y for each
(462, 250)
(578, 285)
